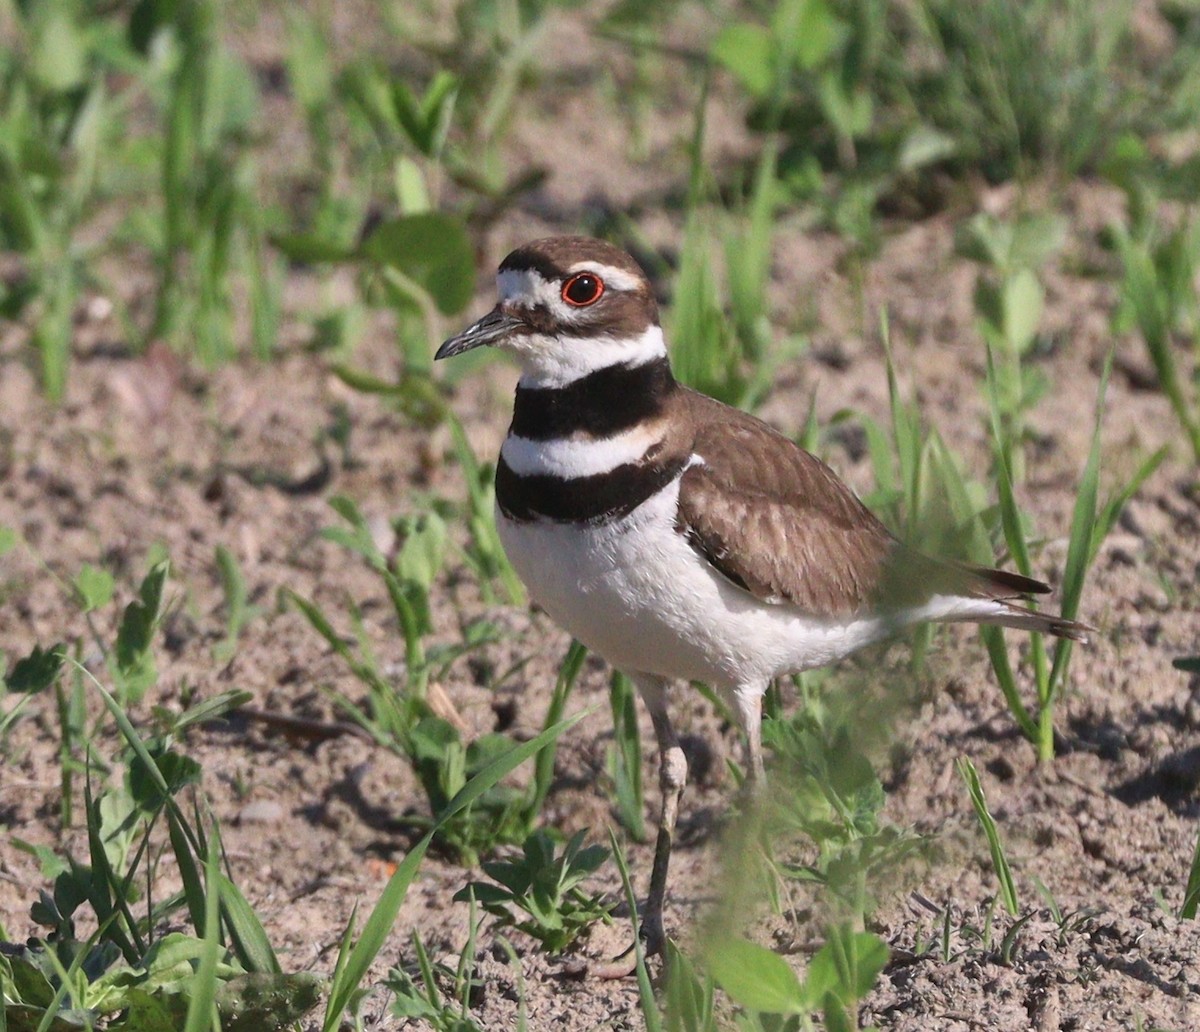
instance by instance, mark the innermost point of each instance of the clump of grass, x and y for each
(1091, 523)
(1008, 888)
(57, 125)
(210, 224)
(131, 964)
(400, 716)
(129, 659)
(138, 964)
(420, 998)
(358, 950)
(544, 886)
(1160, 260)
(1042, 84)
(1009, 301)
(721, 339)
(867, 96)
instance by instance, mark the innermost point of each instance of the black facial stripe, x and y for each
(600, 404)
(615, 315)
(593, 499)
(529, 261)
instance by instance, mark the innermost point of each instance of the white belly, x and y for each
(635, 592)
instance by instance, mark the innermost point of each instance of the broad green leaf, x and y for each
(433, 251)
(170, 964)
(1036, 239)
(809, 28)
(849, 109)
(748, 53)
(150, 1012)
(423, 550)
(845, 967)
(60, 51)
(95, 587)
(311, 248)
(411, 192)
(689, 998)
(923, 146)
(174, 769)
(755, 977)
(37, 671)
(1022, 298)
(135, 661)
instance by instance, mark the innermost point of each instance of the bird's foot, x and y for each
(623, 965)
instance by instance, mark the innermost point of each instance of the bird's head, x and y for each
(568, 307)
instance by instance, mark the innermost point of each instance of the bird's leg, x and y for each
(672, 777)
(748, 699)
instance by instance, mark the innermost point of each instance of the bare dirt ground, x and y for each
(147, 452)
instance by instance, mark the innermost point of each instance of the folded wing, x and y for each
(776, 521)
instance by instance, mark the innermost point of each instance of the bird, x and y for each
(681, 538)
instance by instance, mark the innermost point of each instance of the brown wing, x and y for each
(778, 522)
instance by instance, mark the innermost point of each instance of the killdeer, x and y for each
(680, 538)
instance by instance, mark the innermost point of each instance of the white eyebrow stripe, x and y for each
(529, 285)
(617, 279)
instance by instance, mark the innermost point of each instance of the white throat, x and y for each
(552, 361)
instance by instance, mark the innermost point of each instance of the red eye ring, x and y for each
(583, 289)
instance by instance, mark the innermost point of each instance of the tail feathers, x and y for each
(976, 594)
(1009, 614)
(1003, 583)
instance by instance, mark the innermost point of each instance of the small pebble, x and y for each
(261, 811)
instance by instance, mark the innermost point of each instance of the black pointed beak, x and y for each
(494, 326)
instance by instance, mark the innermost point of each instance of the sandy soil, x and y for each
(148, 452)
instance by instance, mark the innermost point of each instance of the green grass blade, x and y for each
(1083, 524)
(200, 1012)
(649, 1005)
(246, 933)
(258, 956)
(105, 896)
(1144, 291)
(543, 767)
(993, 638)
(383, 916)
(1191, 894)
(1107, 517)
(485, 538)
(182, 843)
(1008, 888)
(906, 432)
(1010, 513)
(1083, 520)
(625, 756)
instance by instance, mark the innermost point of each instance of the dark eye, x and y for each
(582, 289)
